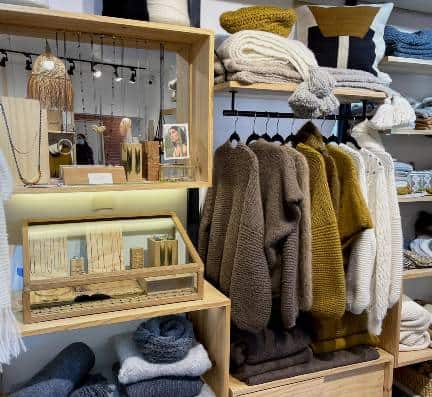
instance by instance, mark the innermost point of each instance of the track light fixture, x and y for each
(29, 62)
(96, 72)
(117, 77)
(3, 59)
(71, 67)
(132, 79)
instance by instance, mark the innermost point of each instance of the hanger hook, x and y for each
(292, 125)
(254, 122)
(266, 124)
(235, 123)
(323, 122)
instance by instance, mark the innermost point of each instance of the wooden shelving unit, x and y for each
(371, 378)
(417, 273)
(410, 131)
(414, 199)
(406, 65)
(344, 94)
(413, 357)
(194, 66)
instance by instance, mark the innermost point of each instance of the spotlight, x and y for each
(117, 77)
(71, 67)
(3, 59)
(132, 79)
(28, 62)
(96, 72)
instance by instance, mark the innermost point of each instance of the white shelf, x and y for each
(406, 65)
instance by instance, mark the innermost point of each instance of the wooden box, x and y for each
(92, 174)
(131, 159)
(75, 267)
(151, 160)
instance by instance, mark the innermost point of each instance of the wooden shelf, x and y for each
(414, 199)
(413, 357)
(310, 382)
(406, 65)
(212, 299)
(417, 273)
(343, 93)
(410, 131)
(110, 188)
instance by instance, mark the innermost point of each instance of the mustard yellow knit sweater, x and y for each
(328, 278)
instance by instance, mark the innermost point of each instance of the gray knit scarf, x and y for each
(165, 339)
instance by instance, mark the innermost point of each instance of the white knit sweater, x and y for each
(363, 253)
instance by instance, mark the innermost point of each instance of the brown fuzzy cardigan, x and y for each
(231, 237)
(281, 198)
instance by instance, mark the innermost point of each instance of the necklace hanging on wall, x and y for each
(16, 151)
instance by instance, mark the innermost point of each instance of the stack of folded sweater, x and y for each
(402, 171)
(162, 358)
(275, 353)
(408, 45)
(415, 323)
(412, 260)
(422, 247)
(423, 112)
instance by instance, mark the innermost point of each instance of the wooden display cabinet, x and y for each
(108, 282)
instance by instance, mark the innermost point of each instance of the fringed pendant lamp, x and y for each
(49, 82)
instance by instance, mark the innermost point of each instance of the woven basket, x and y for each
(418, 382)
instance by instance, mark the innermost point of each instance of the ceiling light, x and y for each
(96, 72)
(117, 77)
(132, 79)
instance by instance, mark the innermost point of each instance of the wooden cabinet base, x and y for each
(371, 379)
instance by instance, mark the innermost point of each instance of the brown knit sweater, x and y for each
(305, 234)
(328, 276)
(231, 237)
(281, 197)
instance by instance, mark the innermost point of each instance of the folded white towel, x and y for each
(414, 340)
(413, 316)
(133, 367)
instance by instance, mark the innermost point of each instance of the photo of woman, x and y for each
(176, 141)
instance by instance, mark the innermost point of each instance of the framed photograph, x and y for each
(176, 141)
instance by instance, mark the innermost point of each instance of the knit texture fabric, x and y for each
(11, 343)
(266, 18)
(362, 257)
(410, 45)
(94, 386)
(267, 345)
(328, 276)
(245, 371)
(305, 234)
(281, 198)
(320, 362)
(231, 237)
(62, 374)
(345, 342)
(164, 339)
(134, 368)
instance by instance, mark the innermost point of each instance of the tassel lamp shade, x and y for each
(49, 82)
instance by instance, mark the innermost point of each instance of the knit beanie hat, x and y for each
(267, 18)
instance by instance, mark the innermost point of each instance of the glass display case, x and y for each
(75, 267)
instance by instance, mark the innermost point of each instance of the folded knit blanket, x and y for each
(268, 344)
(134, 368)
(415, 261)
(164, 339)
(318, 363)
(95, 386)
(415, 321)
(62, 374)
(422, 246)
(244, 371)
(267, 18)
(411, 340)
(427, 54)
(393, 36)
(345, 342)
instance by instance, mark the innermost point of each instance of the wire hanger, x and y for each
(266, 136)
(324, 138)
(254, 136)
(348, 138)
(291, 136)
(234, 136)
(277, 137)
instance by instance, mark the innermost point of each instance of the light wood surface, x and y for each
(417, 273)
(383, 364)
(344, 94)
(79, 175)
(406, 65)
(410, 131)
(414, 199)
(212, 299)
(413, 357)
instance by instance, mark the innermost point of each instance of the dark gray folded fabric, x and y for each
(267, 345)
(94, 386)
(165, 339)
(62, 374)
(320, 362)
(169, 386)
(246, 371)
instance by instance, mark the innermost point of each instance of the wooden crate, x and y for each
(49, 298)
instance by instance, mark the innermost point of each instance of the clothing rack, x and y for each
(344, 116)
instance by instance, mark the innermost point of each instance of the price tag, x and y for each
(103, 178)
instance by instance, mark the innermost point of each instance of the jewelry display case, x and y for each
(75, 267)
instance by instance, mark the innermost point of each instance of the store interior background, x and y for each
(42, 348)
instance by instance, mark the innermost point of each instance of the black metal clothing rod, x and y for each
(278, 115)
(70, 59)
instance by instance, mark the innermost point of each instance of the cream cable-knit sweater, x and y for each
(380, 211)
(363, 253)
(370, 139)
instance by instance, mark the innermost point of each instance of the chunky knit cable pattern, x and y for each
(231, 238)
(362, 257)
(328, 276)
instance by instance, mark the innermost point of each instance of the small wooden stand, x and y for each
(163, 252)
